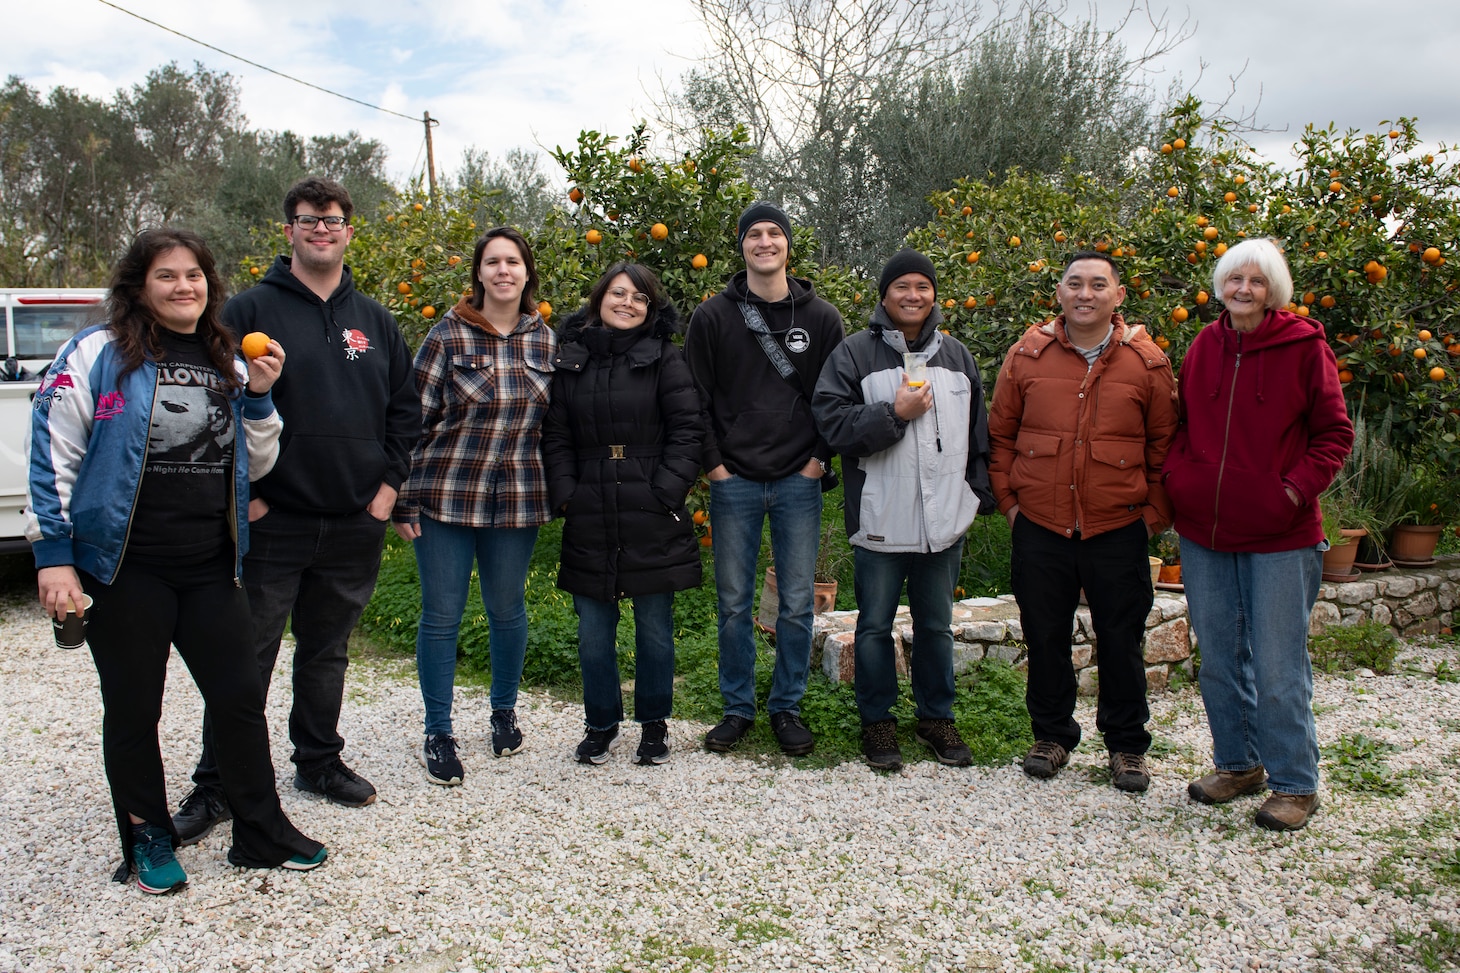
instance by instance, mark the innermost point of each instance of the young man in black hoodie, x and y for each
(317, 520)
(756, 350)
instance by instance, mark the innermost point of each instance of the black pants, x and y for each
(321, 572)
(1049, 570)
(200, 610)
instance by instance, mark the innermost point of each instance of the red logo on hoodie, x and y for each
(356, 344)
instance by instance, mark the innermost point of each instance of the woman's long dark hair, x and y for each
(136, 333)
(528, 303)
(644, 281)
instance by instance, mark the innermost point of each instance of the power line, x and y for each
(255, 64)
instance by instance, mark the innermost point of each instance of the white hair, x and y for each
(1265, 255)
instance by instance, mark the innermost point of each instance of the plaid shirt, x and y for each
(483, 397)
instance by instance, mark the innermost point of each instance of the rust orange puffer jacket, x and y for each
(1081, 448)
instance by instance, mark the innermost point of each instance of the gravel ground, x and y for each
(727, 863)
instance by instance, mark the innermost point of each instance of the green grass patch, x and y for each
(1356, 764)
(1367, 645)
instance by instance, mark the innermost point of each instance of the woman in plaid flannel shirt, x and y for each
(477, 491)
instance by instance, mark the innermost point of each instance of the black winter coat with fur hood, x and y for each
(621, 443)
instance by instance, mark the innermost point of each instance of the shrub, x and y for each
(1367, 645)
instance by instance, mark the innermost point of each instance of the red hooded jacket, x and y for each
(1260, 412)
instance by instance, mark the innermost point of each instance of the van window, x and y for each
(41, 330)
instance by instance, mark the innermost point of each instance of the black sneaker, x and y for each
(1130, 772)
(596, 744)
(336, 782)
(438, 756)
(792, 735)
(506, 738)
(879, 745)
(653, 743)
(1045, 759)
(728, 733)
(198, 813)
(943, 738)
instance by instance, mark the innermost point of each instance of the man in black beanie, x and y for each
(756, 350)
(903, 404)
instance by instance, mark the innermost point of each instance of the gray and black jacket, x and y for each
(910, 486)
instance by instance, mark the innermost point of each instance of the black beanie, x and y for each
(761, 211)
(906, 262)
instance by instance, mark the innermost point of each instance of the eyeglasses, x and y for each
(310, 222)
(620, 294)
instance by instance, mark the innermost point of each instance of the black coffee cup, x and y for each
(71, 632)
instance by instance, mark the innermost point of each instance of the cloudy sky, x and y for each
(533, 73)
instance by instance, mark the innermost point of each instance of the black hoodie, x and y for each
(760, 425)
(346, 395)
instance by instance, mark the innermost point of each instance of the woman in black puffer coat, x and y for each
(621, 444)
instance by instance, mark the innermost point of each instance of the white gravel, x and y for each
(722, 863)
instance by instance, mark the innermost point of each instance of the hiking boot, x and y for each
(506, 738)
(728, 733)
(1286, 812)
(1128, 772)
(438, 756)
(1045, 759)
(198, 813)
(945, 741)
(792, 735)
(158, 870)
(596, 744)
(336, 782)
(300, 863)
(653, 743)
(879, 745)
(1221, 786)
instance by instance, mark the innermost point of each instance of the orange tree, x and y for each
(1367, 221)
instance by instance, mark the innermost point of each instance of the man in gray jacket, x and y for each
(915, 465)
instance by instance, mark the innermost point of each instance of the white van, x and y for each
(38, 321)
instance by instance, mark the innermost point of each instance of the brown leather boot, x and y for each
(1221, 786)
(1286, 812)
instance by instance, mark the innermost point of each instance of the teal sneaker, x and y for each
(158, 870)
(301, 864)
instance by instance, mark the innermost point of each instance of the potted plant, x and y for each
(1430, 502)
(1379, 480)
(832, 555)
(1167, 546)
(1345, 522)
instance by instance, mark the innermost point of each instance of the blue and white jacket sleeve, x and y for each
(61, 424)
(262, 427)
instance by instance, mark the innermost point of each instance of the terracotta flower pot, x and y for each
(1413, 545)
(823, 599)
(1338, 560)
(1170, 573)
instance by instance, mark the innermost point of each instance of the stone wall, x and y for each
(1413, 601)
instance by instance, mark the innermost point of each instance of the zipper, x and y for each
(239, 436)
(1226, 441)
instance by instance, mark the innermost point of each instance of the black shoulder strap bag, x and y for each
(783, 366)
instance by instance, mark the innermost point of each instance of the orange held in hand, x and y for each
(255, 344)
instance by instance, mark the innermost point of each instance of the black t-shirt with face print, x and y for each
(181, 515)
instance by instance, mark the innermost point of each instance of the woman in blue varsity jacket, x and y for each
(147, 430)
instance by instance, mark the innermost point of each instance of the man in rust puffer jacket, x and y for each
(1082, 415)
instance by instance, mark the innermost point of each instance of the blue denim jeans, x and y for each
(1250, 613)
(603, 702)
(738, 510)
(930, 581)
(444, 556)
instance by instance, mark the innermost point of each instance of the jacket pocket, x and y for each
(473, 378)
(1118, 471)
(1253, 506)
(1036, 461)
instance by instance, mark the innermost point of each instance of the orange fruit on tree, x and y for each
(1230, 196)
(659, 231)
(1424, 335)
(453, 260)
(418, 263)
(1431, 255)
(973, 256)
(1345, 376)
(968, 211)
(1210, 233)
(575, 194)
(254, 344)
(1302, 310)
(428, 311)
(968, 235)
(1173, 192)
(1180, 315)
(1327, 301)
(1202, 297)
(1014, 241)
(1309, 297)
(1239, 179)
(1420, 353)
(1201, 246)
(1166, 148)
(1036, 267)
(1252, 207)
(1179, 144)
(1394, 133)
(1202, 221)
(403, 287)
(418, 207)
(699, 261)
(700, 517)
(1060, 237)
(971, 302)
(593, 237)
(545, 309)
(1395, 351)
(635, 165)
(991, 300)
(1102, 245)
(254, 271)
(1335, 186)
(949, 303)
(1192, 258)
(1219, 249)
(706, 541)
(1163, 342)
(1437, 373)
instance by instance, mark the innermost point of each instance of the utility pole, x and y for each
(428, 121)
